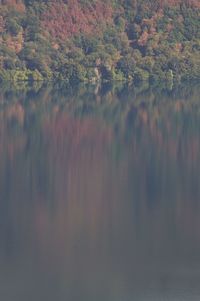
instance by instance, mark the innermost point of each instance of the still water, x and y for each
(100, 194)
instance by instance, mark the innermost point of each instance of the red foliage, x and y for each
(2, 24)
(17, 4)
(64, 20)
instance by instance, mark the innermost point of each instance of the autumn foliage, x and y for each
(81, 40)
(64, 20)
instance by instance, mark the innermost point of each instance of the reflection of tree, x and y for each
(101, 176)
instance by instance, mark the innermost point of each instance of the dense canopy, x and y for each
(91, 40)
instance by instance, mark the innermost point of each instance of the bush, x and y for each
(141, 75)
(13, 27)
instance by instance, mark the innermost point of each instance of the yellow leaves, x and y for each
(15, 43)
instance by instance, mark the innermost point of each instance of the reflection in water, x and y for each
(99, 196)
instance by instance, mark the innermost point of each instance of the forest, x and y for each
(100, 40)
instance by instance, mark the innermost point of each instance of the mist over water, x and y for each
(100, 195)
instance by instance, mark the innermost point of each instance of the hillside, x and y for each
(82, 40)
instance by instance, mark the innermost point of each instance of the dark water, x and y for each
(100, 195)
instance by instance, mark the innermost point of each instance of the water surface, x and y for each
(100, 195)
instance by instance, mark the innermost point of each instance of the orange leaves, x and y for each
(2, 24)
(65, 20)
(143, 39)
(16, 4)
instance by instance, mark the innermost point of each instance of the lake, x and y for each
(100, 194)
